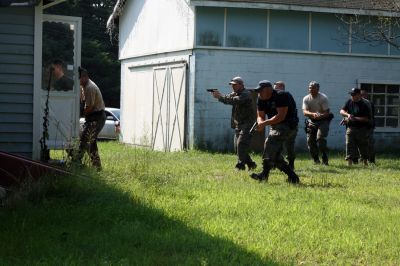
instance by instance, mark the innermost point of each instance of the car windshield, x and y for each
(116, 113)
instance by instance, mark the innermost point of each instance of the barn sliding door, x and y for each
(169, 92)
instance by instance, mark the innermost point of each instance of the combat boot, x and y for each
(251, 165)
(291, 164)
(240, 166)
(292, 176)
(263, 175)
(325, 159)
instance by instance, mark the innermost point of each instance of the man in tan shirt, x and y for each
(95, 118)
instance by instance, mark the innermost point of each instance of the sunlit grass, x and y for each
(193, 208)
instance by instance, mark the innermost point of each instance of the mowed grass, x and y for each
(193, 208)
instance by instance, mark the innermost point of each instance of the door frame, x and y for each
(37, 77)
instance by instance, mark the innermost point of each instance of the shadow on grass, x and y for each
(84, 221)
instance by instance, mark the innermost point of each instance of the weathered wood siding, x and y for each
(16, 80)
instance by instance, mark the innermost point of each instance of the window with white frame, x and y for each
(386, 99)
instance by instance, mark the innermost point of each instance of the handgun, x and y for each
(253, 128)
(212, 90)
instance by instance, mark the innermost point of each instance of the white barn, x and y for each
(172, 50)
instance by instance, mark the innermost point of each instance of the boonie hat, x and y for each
(236, 80)
(263, 84)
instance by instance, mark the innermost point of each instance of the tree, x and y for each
(375, 29)
(99, 52)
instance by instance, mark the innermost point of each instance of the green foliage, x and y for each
(99, 51)
(192, 208)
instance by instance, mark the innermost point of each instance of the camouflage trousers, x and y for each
(88, 142)
(289, 144)
(273, 146)
(316, 138)
(357, 142)
(242, 145)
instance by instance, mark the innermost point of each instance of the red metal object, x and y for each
(14, 169)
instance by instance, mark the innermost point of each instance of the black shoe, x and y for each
(260, 177)
(251, 165)
(240, 166)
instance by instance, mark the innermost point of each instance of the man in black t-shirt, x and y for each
(357, 115)
(62, 82)
(282, 119)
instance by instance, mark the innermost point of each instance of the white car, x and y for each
(111, 127)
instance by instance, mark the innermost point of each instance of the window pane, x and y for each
(366, 38)
(329, 34)
(288, 30)
(246, 28)
(396, 35)
(378, 99)
(393, 99)
(392, 122)
(379, 110)
(210, 26)
(379, 121)
(367, 87)
(393, 89)
(392, 111)
(379, 88)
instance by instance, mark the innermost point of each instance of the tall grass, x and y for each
(193, 208)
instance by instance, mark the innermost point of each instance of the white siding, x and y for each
(336, 74)
(155, 26)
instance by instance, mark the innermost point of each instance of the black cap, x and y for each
(82, 72)
(263, 84)
(354, 91)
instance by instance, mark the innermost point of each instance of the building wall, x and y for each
(16, 80)
(336, 74)
(155, 26)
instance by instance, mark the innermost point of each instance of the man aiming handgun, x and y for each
(242, 119)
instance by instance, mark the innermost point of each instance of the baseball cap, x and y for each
(354, 91)
(263, 84)
(236, 80)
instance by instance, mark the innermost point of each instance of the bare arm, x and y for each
(353, 118)
(316, 116)
(276, 119)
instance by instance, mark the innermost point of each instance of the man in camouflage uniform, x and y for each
(242, 119)
(95, 119)
(282, 119)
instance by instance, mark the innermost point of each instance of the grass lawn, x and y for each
(193, 208)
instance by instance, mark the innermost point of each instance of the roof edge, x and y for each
(294, 7)
(118, 8)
